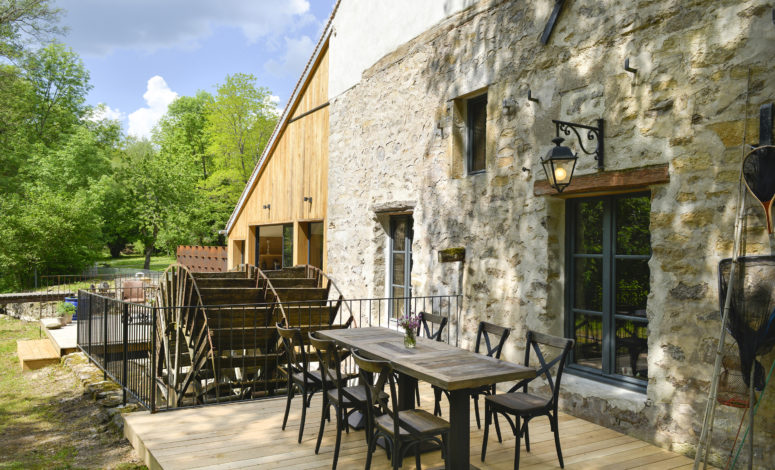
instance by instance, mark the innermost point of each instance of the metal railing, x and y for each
(136, 347)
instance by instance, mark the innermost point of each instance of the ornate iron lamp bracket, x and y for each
(593, 133)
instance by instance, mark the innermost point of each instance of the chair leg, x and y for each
(372, 443)
(303, 413)
(288, 404)
(487, 417)
(322, 422)
(527, 436)
(516, 450)
(553, 421)
(497, 426)
(475, 396)
(437, 401)
(339, 425)
(417, 456)
(417, 394)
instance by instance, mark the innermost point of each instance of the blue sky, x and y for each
(141, 54)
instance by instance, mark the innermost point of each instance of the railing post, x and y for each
(105, 341)
(125, 321)
(90, 322)
(153, 360)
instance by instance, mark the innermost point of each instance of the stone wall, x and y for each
(394, 137)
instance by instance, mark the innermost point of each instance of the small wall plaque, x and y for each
(450, 255)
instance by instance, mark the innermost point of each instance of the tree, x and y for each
(25, 18)
(160, 186)
(60, 83)
(182, 130)
(240, 121)
(51, 231)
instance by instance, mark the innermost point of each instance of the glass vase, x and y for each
(410, 341)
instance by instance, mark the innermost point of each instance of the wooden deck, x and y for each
(248, 435)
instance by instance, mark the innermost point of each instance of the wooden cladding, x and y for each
(203, 259)
(293, 182)
(607, 182)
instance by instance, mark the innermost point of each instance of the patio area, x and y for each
(248, 435)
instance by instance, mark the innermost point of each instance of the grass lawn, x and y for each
(46, 421)
(158, 263)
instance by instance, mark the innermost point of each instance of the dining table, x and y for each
(459, 371)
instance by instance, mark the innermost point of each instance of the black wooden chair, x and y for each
(403, 431)
(525, 406)
(299, 376)
(345, 400)
(489, 334)
(436, 327)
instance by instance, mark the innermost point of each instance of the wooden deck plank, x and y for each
(248, 435)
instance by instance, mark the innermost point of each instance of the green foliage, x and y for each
(20, 19)
(65, 308)
(240, 121)
(60, 83)
(51, 231)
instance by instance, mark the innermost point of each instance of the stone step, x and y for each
(224, 275)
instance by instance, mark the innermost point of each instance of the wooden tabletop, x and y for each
(435, 362)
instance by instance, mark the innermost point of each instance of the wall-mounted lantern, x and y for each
(267, 206)
(560, 161)
(308, 199)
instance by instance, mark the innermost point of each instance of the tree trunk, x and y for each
(148, 253)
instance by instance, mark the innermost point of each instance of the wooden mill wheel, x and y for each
(185, 366)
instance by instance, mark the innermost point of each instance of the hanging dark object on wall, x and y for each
(752, 310)
(759, 166)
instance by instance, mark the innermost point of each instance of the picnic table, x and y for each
(451, 368)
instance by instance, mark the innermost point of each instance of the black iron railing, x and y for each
(137, 346)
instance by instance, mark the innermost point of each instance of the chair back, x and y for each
(438, 323)
(330, 361)
(295, 349)
(534, 342)
(494, 337)
(384, 375)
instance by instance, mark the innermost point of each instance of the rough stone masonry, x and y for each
(395, 140)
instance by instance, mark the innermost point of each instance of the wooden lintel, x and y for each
(608, 181)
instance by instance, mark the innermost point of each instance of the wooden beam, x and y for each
(608, 181)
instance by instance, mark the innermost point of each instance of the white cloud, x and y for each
(98, 27)
(103, 111)
(158, 97)
(297, 53)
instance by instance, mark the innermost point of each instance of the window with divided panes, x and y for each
(608, 249)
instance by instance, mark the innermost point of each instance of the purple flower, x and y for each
(409, 322)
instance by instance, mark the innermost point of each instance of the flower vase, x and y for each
(410, 341)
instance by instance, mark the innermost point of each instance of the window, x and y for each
(287, 245)
(400, 264)
(476, 124)
(609, 247)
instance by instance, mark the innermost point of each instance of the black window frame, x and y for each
(609, 256)
(471, 142)
(407, 252)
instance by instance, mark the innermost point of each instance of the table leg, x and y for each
(459, 439)
(406, 387)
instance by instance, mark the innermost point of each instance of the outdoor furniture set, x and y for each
(386, 393)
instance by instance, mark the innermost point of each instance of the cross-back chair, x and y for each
(298, 373)
(525, 406)
(490, 339)
(345, 400)
(436, 327)
(404, 430)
